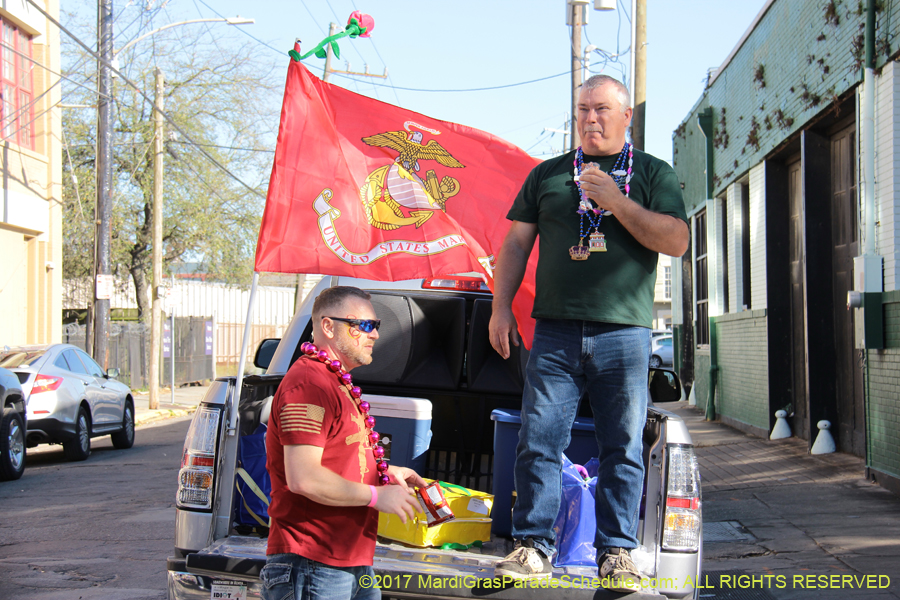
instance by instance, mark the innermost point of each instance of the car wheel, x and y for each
(79, 447)
(655, 362)
(124, 439)
(12, 445)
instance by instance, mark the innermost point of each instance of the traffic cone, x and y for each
(824, 443)
(782, 429)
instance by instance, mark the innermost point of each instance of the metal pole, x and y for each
(172, 353)
(239, 382)
(575, 50)
(156, 310)
(639, 89)
(104, 177)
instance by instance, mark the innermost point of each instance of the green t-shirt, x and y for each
(615, 286)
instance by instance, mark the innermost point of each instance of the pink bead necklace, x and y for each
(336, 367)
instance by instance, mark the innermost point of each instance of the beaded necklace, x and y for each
(621, 173)
(346, 380)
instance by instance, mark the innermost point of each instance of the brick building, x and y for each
(771, 162)
(31, 211)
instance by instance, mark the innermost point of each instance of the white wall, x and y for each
(758, 237)
(887, 173)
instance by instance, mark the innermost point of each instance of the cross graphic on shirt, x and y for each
(361, 437)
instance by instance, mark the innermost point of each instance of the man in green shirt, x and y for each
(603, 213)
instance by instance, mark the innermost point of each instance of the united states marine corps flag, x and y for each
(367, 189)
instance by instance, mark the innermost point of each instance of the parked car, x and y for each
(70, 398)
(661, 352)
(433, 344)
(12, 427)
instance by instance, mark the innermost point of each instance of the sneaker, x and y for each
(525, 562)
(618, 572)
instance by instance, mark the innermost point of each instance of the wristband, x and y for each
(374, 499)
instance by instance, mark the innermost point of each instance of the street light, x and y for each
(108, 62)
(229, 20)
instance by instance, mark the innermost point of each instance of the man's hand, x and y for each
(503, 330)
(397, 500)
(601, 188)
(405, 478)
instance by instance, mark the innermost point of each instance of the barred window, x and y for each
(702, 278)
(16, 93)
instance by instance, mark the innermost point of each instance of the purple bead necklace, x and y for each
(346, 380)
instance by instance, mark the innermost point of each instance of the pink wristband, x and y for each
(374, 499)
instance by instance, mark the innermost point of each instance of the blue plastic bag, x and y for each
(576, 523)
(253, 484)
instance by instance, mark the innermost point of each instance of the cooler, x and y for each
(405, 428)
(507, 422)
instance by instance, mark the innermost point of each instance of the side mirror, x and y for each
(112, 373)
(664, 386)
(264, 352)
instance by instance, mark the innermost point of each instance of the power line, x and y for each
(139, 91)
(484, 89)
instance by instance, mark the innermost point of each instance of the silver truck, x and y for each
(434, 345)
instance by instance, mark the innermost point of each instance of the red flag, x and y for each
(366, 189)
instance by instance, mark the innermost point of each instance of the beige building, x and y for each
(662, 294)
(31, 204)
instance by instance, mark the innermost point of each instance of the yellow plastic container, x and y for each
(471, 508)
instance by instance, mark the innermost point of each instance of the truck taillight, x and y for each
(456, 282)
(681, 525)
(197, 474)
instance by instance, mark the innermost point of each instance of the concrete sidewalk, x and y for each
(792, 524)
(186, 401)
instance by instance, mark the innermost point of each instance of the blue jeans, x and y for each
(293, 577)
(610, 362)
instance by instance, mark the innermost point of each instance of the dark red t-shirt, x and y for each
(313, 407)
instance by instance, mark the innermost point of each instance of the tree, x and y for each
(227, 104)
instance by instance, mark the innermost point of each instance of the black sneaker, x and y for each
(618, 572)
(525, 562)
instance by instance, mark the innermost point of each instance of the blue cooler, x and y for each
(507, 423)
(406, 422)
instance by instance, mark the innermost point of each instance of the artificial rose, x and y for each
(365, 23)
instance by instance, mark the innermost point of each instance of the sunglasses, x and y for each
(364, 325)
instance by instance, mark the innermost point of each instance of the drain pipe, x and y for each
(869, 131)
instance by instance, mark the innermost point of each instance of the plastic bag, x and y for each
(576, 523)
(252, 480)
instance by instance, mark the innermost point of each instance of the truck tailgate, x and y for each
(404, 572)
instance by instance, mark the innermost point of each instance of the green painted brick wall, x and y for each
(799, 58)
(743, 383)
(883, 394)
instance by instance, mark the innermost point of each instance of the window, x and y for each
(667, 283)
(745, 242)
(702, 279)
(16, 108)
(74, 364)
(724, 204)
(92, 367)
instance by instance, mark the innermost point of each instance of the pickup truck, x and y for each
(434, 345)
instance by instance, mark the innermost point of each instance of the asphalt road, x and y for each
(95, 530)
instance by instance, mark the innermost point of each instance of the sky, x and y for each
(433, 50)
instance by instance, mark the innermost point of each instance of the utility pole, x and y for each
(157, 258)
(575, 50)
(639, 78)
(332, 29)
(104, 180)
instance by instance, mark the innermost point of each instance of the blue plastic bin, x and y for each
(406, 422)
(507, 423)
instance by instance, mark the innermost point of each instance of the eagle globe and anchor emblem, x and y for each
(395, 195)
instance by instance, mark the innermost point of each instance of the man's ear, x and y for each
(328, 328)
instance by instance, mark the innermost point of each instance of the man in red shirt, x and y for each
(325, 484)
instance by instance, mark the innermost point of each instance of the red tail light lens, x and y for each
(466, 284)
(46, 383)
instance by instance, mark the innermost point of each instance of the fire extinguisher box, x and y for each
(507, 423)
(405, 428)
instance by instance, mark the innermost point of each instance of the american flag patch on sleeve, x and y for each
(302, 417)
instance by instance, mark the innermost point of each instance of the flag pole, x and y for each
(238, 384)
